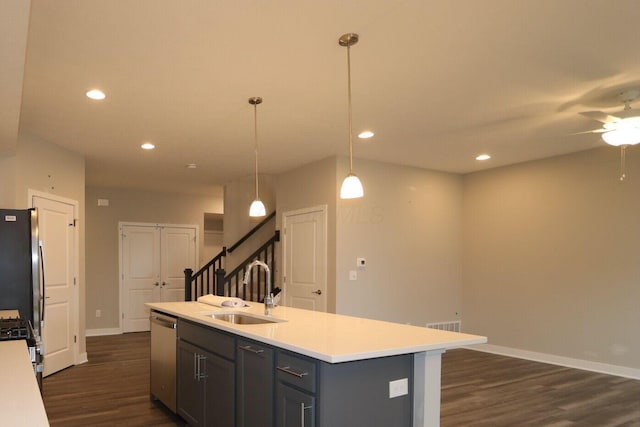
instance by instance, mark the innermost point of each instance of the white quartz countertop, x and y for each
(20, 401)
(329, 337)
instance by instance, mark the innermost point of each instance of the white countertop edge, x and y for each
(20, 403)
(370, 354)
(196, 315)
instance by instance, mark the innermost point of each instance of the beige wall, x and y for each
(309, 186)
(550, 256)
(407, 227)
(102, 238)
(7, 180)
(47, 168)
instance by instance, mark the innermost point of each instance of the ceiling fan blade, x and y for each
(591, 131)
(600, 116)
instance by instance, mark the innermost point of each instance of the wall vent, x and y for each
(453, 326)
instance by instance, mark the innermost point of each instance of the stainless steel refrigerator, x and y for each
(21, 281)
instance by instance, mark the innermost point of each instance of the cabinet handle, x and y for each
(196, 366)
(201, 375)
(302, 409)
(289, 371)
(250, 349)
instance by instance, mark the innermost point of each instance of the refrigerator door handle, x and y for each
(42, 287)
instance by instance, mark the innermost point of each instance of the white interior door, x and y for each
(178, 251)
(57, 235)
(153, 260)
(140, 246)
(305, 258)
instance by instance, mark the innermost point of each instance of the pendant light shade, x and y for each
(257, 208)
(351, 186)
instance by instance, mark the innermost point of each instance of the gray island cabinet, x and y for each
(205, 375)
(314, 393)
(227, 381)
(304, 368)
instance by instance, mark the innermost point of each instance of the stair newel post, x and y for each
(219, 288)
(188, 273)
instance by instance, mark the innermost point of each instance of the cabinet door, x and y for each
(190, 393)
(219, 395)
(294, 408)
(255, 384)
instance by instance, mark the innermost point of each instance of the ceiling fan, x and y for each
(620, 129)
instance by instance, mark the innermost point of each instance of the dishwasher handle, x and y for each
(167, 322)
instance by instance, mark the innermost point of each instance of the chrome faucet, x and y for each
(268, 299)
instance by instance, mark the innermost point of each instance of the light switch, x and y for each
(361, 263)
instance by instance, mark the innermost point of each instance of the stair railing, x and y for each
(210, 279)
(251, 232)
(204, 281)
(232, 284)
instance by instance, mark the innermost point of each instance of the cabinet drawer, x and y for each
(296, 370)
(207, 338)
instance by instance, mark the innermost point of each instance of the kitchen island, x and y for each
(337, 339)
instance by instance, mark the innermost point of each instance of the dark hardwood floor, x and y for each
(111, 389)
(482, 389)
(478, 389)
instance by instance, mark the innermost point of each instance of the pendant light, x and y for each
(257, 207)
(351, 186)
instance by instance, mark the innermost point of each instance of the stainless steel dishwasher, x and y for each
(163, 358)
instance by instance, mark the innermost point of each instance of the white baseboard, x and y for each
(82, 358)
(603, 368)
(103, 331)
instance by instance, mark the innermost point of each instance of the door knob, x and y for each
(156, 284)
(319, 292)
(164, 284)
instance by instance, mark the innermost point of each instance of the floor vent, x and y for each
(453, 326)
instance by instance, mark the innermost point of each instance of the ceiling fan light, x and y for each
(257, 209)
(622, 136)
(351, 187)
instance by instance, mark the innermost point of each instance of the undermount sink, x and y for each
(243, 318)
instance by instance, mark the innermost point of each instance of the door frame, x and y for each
(319, 208)
(76, 265)
(120, 266)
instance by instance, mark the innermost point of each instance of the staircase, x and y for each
(213, 279)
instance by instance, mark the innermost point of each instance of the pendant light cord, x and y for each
(255, 135)
(349, 98)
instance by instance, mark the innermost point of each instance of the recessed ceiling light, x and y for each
(148, 146)
(483, 157)
(191, 166)
(96, 94)
(365, 134)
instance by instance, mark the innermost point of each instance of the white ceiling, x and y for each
(439, 82)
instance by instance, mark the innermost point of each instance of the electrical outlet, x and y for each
(353, 275)
(98, 313)
(398, 388)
